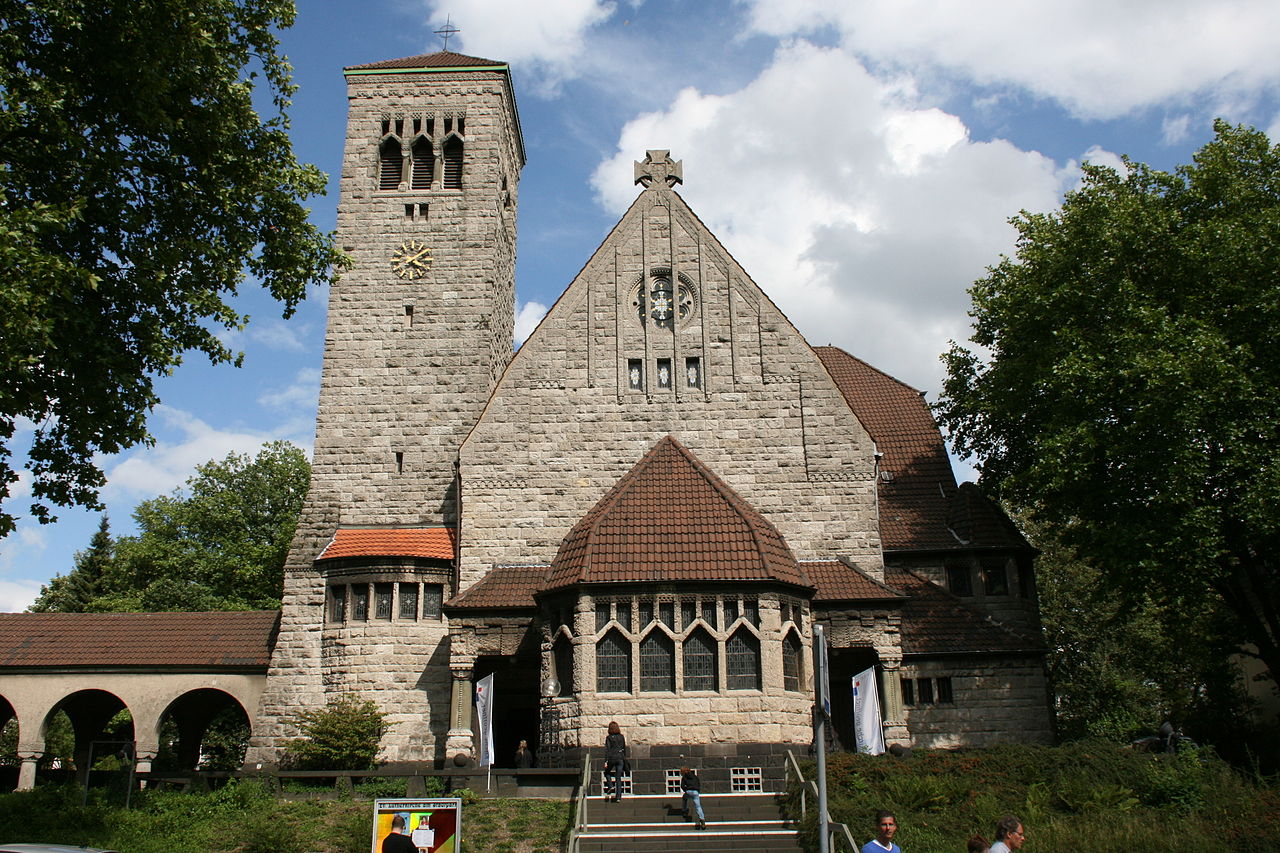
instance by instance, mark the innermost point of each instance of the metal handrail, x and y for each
(580, 805)
(837, 830)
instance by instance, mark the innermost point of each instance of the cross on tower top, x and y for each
(658, 169)
(447, 30)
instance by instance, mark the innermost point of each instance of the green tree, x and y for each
(343, 735)
(1126, 380)
(138, 186)
(220, 546)
(1118, 669)
(75, 591)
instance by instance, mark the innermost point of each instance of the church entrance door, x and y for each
(515, 703)
(845, 664)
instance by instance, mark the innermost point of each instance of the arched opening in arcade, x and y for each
(204, 729)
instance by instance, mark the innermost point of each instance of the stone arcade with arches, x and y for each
(640, 516)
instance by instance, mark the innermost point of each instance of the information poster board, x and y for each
(427, 826)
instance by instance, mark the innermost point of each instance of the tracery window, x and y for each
(791, 651)
(613, 663)
(657, 663)
(700, 661)
(742, 660)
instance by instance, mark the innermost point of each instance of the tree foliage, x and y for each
(76, 591)
(343, 735)
(1118, 670)
(1126, 379)
(220, 545)
(138, 185)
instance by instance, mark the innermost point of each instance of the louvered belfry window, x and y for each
(453, 164)
(658, 663)
(424, 160)
(391, 162)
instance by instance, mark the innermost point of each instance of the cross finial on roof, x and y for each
(447, 30)
(658, 168)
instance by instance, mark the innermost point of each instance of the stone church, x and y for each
(639, 516)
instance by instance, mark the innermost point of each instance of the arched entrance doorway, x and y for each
(845, 664)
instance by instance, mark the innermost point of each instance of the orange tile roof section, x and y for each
(838, 581)
(920, 506)
(436, 543)
(440, 59)
(188, 641)
(503, 588)
(671, 519)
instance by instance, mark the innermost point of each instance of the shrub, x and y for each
(343, 735)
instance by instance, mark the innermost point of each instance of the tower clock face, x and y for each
(411, 260)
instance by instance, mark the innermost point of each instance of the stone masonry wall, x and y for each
(997, 700)
(408, 366)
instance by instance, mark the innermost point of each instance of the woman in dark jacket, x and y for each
(615, 759)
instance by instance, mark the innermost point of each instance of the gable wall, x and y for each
(564, 425)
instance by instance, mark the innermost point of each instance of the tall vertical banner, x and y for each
(484, 711)
(867, 727)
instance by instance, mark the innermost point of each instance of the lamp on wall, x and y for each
(550, 750)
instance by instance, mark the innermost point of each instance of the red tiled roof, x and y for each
(237, 640)
(441, 59)
(935, 621)
(671, 519)
(838, 581)
(920, 507)
(435, 543)
(502, 588)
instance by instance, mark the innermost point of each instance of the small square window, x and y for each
(744, 780)
(664, 373)
(944, 691)
(673, 782)
(667, 613)
(408, 601)
(432, 600)
(709, 613)
(382, 600)
(958, 580)
(360, 602)
(635, 374)
(995, 580)
(908, 692)
(693, 372)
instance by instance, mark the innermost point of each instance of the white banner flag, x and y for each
(866, 713)
(484, 710)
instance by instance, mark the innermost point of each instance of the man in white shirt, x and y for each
(1009, 835)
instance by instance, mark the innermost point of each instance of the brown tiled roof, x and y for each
(441, 59)
(502, 588)
(428, 542)
(920, 507)
(838, 581)
(936, 622)
(670, 519)
(220, 640)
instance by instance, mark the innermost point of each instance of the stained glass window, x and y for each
(657, 663)
(791, 662)
(667, 614)
(700, 661)
(646, 614)
(382, 600)
(742, 658)
(408, 601)
(432, 600)
(709, 612)
(338, 603)
(688, 612)
(360, 602)
(613, 664)
(602, 614)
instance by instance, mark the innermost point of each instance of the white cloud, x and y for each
(1098, 58)
(280, 336)
(301, 393)
(864, 214)
(527, 319)
(17, 595)
(151, 471)
(548, 37)
(1174, 129)
(1100, 156)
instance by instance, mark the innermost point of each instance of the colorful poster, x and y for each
(417, 826)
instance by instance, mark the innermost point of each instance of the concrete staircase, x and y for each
(653, 823)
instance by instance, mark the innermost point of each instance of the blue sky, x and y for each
(861, 159)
